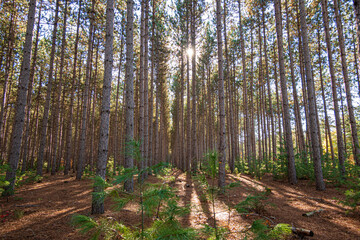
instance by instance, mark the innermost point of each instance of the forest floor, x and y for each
(43, 210)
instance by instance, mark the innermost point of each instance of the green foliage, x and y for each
(280, 231)
(304, 169)
(101, 184)
(161, 168)
(170, 230)
(126, 175)
(254, 202)
(108, 228)
(120, 202)
(215, 234)
(84, 223)
(3, 184)
(153, 197)
(211, 163)
(88, 173)
(260, 229)
(352, 196)
(172, 210)
(167, 227)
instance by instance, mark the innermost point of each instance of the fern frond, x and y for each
(84, 223)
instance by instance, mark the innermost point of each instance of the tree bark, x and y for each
(286, 112)
(56, 109)
(315, 141)
(98, 203)
(26, 142)
(301, 138)
(194, 141)
(82, 135)
(354, 134)
(129, 81)
(44, 124)
(222, 129)
(72, 93)
(20, 103)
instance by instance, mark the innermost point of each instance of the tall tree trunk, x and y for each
(357, 15)
(285, 102)
(188, 107)
(222, 129)
(116, 135)
(182, 124)
(56, 109)
(227, 78)
(129, 81)
(279, 110)
(273, 140)
(340, 140)
(146, 86)
(327, 124)
(98, 202)
(247, 130)
(315, 141)
(194, 141)
(295, 95)
(82, 135)
(29, 96)
(20, 103)
(72, 93)
(44, 124)
(141, 89)
(354, 134)
(10, 38)
(152, 82)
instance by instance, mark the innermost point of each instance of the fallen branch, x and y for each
(302, 232)
(309, 214)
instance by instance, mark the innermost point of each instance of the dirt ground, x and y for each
(46, 208)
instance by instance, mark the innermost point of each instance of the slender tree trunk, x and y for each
(354, 134)
(29, 95)
(98, 203)
(146, 87)
(8, 62)
(152, 82)
(20, 103)
(315, 141)
(340, 140)
(182, 124)
(129, 80)
(279, 110)
(44, 124)
(222, 129)
(56, 109)
(273, 140)
(141, 87)
(72, 93)
(357, 15)
(285, 103)
(296, 101)
(246, 114)
(82, 135)
(327, 125)
(194, 141)
(116, 135)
